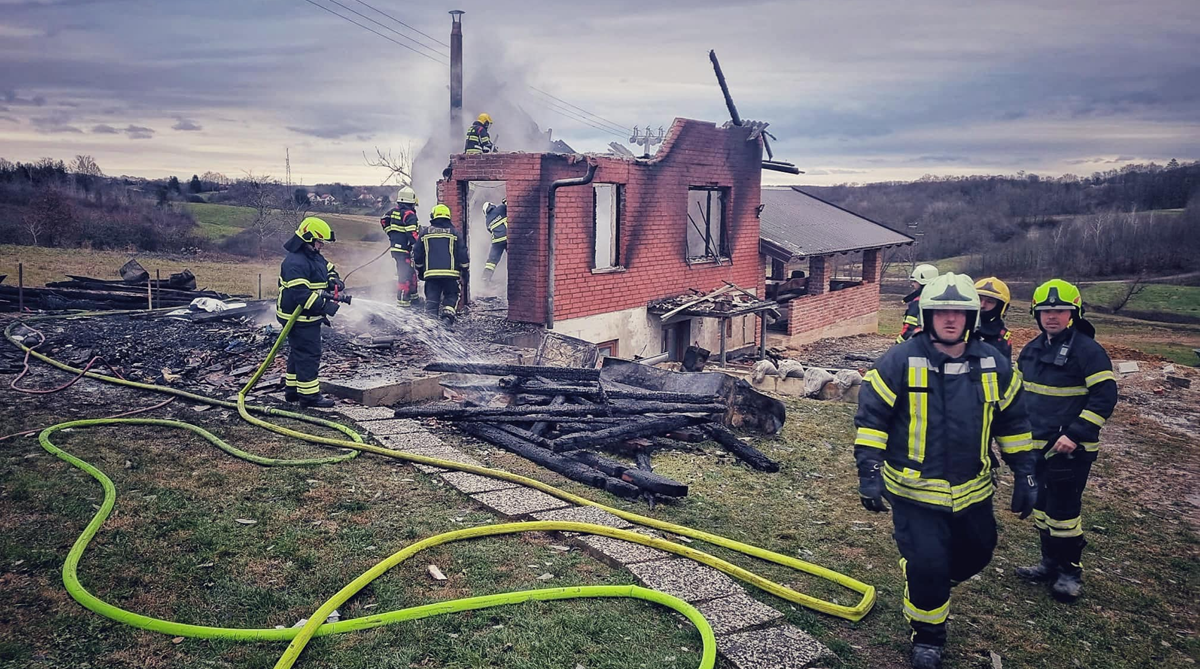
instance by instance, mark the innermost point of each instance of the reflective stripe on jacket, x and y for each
(497, 223)
(912, 318)
(478, 140)
(997, 336)
(930, 420)
(303, 276)
(440, 252)
(400, 224)
(1075, 398)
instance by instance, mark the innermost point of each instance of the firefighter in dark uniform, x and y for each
(926, 415)
(440, 257)
(994, 298)
(497, 224)
(307, 279)
(478, 140)
(918, 278)
(401, 225)
(1070, 392)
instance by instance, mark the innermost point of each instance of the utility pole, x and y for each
(287, 169)
(456, 78)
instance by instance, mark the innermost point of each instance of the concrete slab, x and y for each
(737, 612)
(1127, 367)
(619, 553)
(782, 647)
(687, 580)
(473, 483)
(584, 514)
(414, 441)
(386, 390)
(442, 452)
(519, 501)
(394, 426)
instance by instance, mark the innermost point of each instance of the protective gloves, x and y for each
(870, 487)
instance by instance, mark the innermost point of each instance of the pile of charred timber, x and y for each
(558, 417)
(81, 292)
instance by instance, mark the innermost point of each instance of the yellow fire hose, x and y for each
(317, 626)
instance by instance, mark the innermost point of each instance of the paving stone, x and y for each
(442, 453)
(519, 501)
(782, 647)
(366, 413)
(473, 483)
(411, 442)
(395, 426)
(620, 553)
(584, 514)
(686, 579)
(737, 612)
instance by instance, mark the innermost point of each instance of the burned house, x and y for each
(593, 241)
(823, 263)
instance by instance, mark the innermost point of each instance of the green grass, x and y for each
(1162, 298)
(218, 221)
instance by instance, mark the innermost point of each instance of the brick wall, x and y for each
(653, 235)
(811, 312)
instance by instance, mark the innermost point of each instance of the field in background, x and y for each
(218, 221)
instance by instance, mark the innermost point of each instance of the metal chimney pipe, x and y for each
(456, 79)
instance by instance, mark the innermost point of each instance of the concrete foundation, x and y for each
(385, 390)
(639, 333)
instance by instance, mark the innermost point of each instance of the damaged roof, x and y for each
(802, 225)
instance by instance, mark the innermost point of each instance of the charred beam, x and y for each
(451, 412)
(629, 430)
(745, 452)
(490, 369)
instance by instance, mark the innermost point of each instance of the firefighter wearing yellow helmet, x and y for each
(1070, 393)
(478, 140)
(440, 258)
(994, 298)
(926, 414)
(920, 277)
(307, 279)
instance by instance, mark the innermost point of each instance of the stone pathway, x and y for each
(750, 634)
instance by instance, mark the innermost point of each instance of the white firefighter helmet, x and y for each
(487, 208)
(923, 274)
(952, 292)
(406, 195)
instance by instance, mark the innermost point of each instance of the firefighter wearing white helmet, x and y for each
(927, 411)
(400, 224)
(496, 216)
(918, 278)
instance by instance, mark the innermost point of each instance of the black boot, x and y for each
(317, 401)
(1045, 571)
(1069, 584)
(925, 656)
(290, 395)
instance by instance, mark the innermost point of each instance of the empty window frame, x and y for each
(606, 228)
(706, 239)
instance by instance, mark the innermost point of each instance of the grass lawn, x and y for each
(218, 221)
(1163, 298)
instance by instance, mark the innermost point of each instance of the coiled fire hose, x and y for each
(317, 626)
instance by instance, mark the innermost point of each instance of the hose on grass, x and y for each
(317, 626)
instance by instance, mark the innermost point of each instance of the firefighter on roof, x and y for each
(927, 413)
(307, 279)
(439, 257)
(1071, 392)
(400, 224)
(478, 140)
(497, 224)
(918, 278)
(994, 298)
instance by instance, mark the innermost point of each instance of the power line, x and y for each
(404, 24)
(389, 29)
(346, 18)
(616, 126)
(575, 117)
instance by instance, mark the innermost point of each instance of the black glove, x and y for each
(337, 284)
(331, 307)
(1025, 488)
(870, 487)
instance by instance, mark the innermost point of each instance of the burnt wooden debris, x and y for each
(563, 418)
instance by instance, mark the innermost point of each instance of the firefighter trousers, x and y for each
(405, 279)
(1056, 513)
(494, 256)
(304, 359)
(937, 550)
(441, 297)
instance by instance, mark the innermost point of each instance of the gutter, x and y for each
(550, 245)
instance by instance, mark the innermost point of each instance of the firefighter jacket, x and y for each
(440, 252)
(304, 276)
(401, 225)
(912, 317)
(929, 420)
(994, 333)
(497, 223)
(1070, 388)
(478, 140)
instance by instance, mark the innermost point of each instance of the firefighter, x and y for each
(1071, 392)
(439, 257)
(926, 414)
(401, 225)
(478, 140)
(918, 279)
(306, 278)
(497, 224)
(994, 298)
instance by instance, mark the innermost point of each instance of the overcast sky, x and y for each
(855, 90)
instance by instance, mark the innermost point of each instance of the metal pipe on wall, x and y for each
(561, 183)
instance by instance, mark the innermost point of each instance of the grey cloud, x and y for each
(9, 119)
(186, 125)
(53, 123)
(332, 131)
(138, 132)
(1121, 159)
(939, 159)
(11, 97)
(104, 129)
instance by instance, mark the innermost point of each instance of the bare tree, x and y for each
(215, 178)
(264, 198)
(86, 165)
(1132, 288)
(398, 165)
